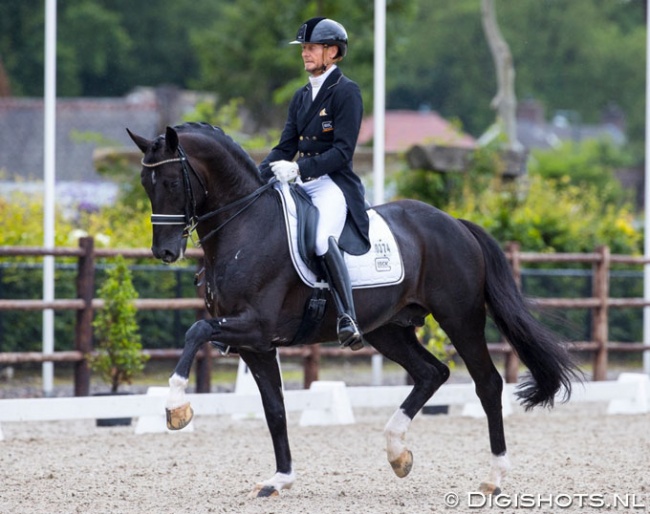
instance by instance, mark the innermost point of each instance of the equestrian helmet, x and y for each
(325, 32)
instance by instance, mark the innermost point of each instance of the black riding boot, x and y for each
(339, 282)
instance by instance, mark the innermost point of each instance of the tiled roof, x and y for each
(407, 128)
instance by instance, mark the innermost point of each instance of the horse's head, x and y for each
(171, 187)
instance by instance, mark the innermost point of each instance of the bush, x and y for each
(119, 350)
(569, 202)
(550, 216)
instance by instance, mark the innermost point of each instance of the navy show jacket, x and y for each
(323, 134)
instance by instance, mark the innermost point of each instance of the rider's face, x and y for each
(316, 57)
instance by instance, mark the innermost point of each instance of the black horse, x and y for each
(198, 178)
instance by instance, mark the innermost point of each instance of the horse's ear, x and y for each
(142, 143)
(171, 140)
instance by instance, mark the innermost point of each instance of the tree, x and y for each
(5, 86)
(505, 101)
(437, 54)
(104, 47)
(561, 49)
(245, 52)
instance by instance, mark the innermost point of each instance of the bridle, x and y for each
(190, 220)
(187, 219)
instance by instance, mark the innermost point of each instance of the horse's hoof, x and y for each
(403, 464)
(180, 417)
(489, 489)
(266, 491)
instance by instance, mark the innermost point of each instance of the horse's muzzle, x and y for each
(168, 246)
(167, 256)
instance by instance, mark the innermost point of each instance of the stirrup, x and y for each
(348, 333)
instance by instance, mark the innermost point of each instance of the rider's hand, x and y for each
(285, 171)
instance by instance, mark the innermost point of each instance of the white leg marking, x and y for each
(176, 397)
(395, 431)
(499, 467)
(278, 481)
(281, 480)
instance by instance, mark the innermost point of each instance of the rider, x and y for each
(322, 128)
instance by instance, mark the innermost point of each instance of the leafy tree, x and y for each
(561, 49)
(21, 45)
(104, 47)
(254, 60)
(564, 48)
(437, 54)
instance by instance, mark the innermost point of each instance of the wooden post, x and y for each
(203, 364)
(600, 317)
(311, 365)
(512, 359)
(84, 323)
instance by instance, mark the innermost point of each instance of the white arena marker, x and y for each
(475, 409)
(639, 403)
(339, 411)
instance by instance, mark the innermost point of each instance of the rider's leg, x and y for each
(330, 202)
(339, 281)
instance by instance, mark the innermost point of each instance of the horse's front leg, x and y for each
(230, 331)
(266, 372)
(179, 412)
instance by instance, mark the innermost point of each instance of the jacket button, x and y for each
(314, 138)
(301, 138)
(302, 154)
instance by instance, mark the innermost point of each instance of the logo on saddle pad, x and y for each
(382, 256)
(380, 266)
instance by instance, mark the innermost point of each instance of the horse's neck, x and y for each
(233, 181)
(243, 224)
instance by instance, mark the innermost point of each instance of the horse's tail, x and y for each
(547, 358)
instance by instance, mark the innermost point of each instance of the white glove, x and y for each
(285, 171)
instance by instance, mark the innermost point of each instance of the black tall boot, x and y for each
(341, 289)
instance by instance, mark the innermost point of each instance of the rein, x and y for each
(190, 219)
(248, 200)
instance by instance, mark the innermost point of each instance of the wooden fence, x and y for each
(600, 303)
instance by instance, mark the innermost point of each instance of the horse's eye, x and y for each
(172, 184)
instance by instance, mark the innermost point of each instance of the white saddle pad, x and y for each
(380, 266)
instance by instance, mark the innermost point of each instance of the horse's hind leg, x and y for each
(402, 346)
(467, 336)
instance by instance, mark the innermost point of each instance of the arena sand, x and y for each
(570, 459)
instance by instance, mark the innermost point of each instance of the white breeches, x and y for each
(332, 209)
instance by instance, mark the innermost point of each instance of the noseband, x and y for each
(190, 219)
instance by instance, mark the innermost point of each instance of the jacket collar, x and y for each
(326, 89)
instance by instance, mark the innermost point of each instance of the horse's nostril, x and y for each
(168, 257)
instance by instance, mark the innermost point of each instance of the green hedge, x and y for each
(21, 331)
